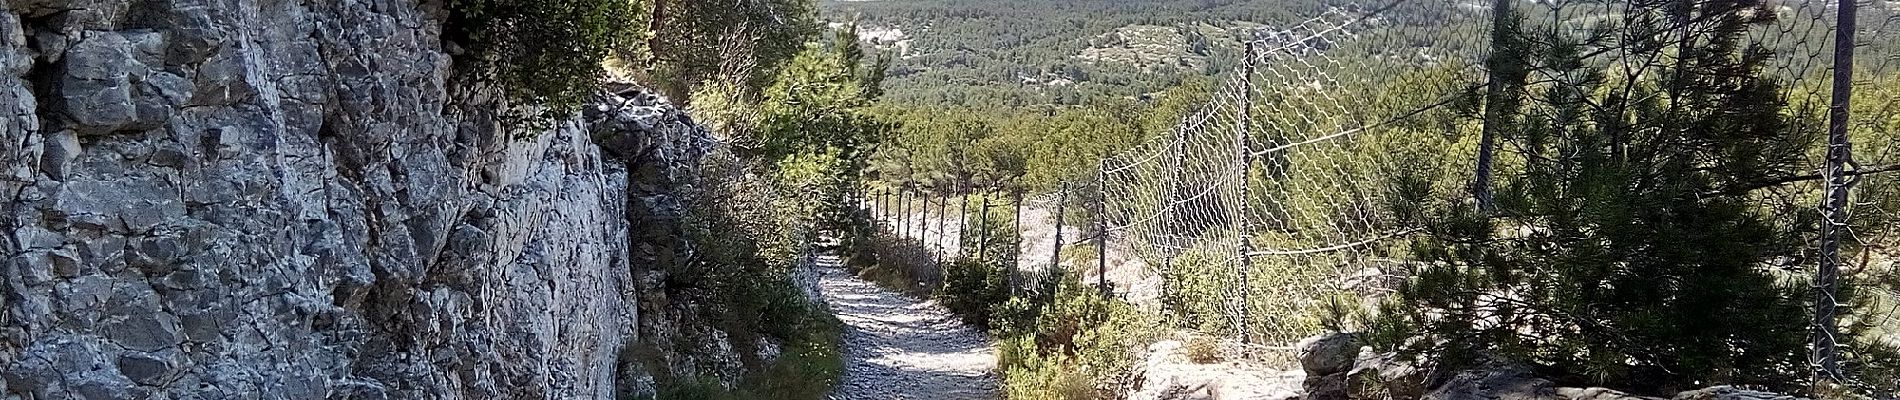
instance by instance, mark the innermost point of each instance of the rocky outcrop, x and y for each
(1326, 360)
(1337, 368)
(254, 198)
(1731, 393)
(1170, 374)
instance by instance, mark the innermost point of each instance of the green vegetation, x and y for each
(693, 43)
(1073, 345)
(998, 54)
(791, 107)
(1632, 245)
(797, 159)
(808, 369)
(511, 43)
(971, 287)
(1628, 247)
(1032, 149)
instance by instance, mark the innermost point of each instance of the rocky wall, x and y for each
(248, 199)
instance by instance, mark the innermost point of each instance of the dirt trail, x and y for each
(897, 347)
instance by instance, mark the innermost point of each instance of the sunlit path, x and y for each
(898, 347)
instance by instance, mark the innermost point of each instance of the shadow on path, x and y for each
(898, 347)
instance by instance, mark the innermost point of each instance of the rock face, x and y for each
(1170, 374)
(1327, 359)
(257, 198)
(1731, 393)
(1336, 368)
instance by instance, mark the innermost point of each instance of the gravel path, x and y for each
(897, 347)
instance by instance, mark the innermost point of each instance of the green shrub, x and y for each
(1038, 377)
(894, 263)
(542, 52)
(1203, 349)
(747, 239)
(1077, 345)
(1629, 254)
(972, 289)
(809, 366)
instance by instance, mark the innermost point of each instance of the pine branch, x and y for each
(1801, 178)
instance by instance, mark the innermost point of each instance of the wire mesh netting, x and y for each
(1268, 212)
(1266, 204)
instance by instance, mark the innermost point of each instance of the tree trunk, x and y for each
(653, 27)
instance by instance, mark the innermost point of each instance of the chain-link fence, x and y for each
(1268, 213)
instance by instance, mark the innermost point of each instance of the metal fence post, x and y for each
(923, 230)
(1055, 254)
(903, 216)
(963, 219)
(1834, 205)
(1101, 228)
(1016, 249)
(983, 229)
(943, 213)
(1242, 230)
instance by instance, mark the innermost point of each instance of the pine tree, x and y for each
(1620, 253)
(694, 41)
(814, 122)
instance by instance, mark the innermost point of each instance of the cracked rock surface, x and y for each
(213, 199)
(898, 347)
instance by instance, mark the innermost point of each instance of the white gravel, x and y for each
(897, 347)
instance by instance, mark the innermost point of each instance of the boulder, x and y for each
(1388, 376)
(1731, 393)
(1328, 354)
(1326, 359)
(1495, 382)
(1597, 393)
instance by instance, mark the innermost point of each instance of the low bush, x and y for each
(1203, 349)
(972, 288)
(748, 240)
(894, 263)
(1078, 345)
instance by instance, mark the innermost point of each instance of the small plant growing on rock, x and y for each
(1203, 349)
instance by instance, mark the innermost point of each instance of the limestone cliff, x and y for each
(288, 199)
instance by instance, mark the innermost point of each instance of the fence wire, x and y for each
(1258, 213)
(1269, 200)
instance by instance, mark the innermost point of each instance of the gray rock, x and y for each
(1731, 393)
(96, 89)
(1202, 391)
(1495, 382)
(143, 368)
(64, 263)
(1328, 354)
(12, 35)
(33, 375)
(1326, 387)
(143, 332)
(60, 150)
(102, 385)
(1597, 393)
(1387, 375)
(167, 208)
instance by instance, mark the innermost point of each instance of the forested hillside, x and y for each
(1002, 53)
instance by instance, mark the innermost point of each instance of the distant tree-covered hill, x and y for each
(991, 53)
